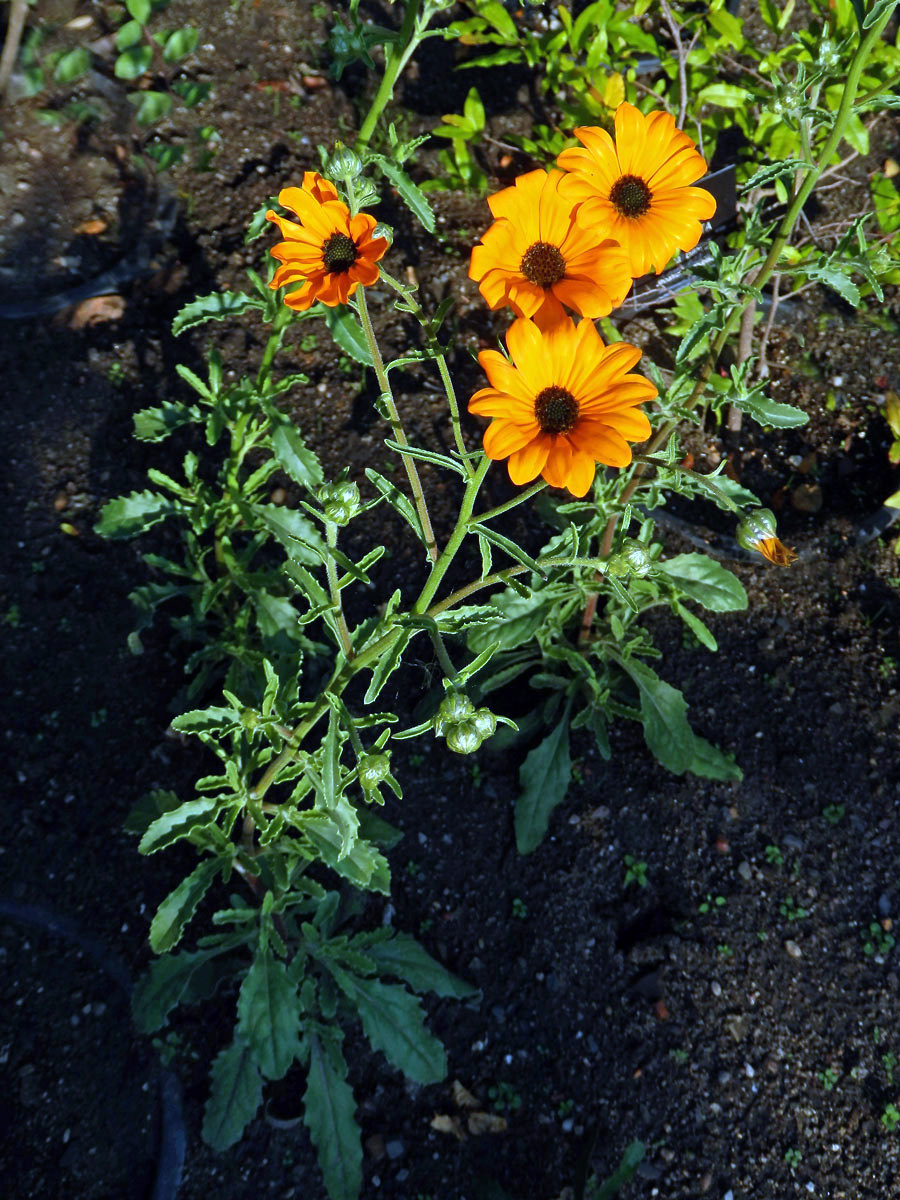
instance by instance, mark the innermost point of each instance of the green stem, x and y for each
(442, 656)
(439, 570)
(434, 346)
(336, 604)
(411, 32)
(279, 324)
(387, 397)
(480, 518)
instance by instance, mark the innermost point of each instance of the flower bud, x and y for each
(632, 559)
(340, 501)
(343, 163)
(373, 769)
(454, 708)
(464, 738)
(485, 722)
(756, 531)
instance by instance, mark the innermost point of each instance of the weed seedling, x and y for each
(890, 1118)
(635, 871)
(774, 855)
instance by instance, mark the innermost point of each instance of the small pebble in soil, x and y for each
(716, 988)
(395, 1149)
(793, 949)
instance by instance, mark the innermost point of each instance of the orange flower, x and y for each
(329, 252)
(563, 402)
(539, 255)
(636, 189)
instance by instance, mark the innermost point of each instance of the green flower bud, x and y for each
(343, 163)
(632, 559)
(454, 708)
(373, 769)
(485, 722)
(757, 531)
(464, 738)
(340, 501)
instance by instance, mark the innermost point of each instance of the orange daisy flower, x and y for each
(539, 255)
(329, 252)
(636, 189)
(562, 402)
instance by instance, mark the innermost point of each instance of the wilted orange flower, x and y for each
(329, 252)
(563, 402)
(538, 255)
(636, 189)
(757, 532)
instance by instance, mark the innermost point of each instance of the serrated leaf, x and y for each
(396, 499)
(504, 543)
(705, 581)
(235, 1096)
(364, 866)
(521, 618)
(770, 412)
(394, 1023)
(207, 720)
(412, 195)
(832, 277)
(404, 957)
(127, 516)
(347, 333)
(387, 664)
(166, 983)
(544, 776)
(180, 905)
(329, 1113)
(776, 170)
(294, 531)
(295, 457)
(177, 823)
(155, 424)
(150, 806)
(214, 307)
(269, 1015)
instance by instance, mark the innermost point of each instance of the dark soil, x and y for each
(736, 1014)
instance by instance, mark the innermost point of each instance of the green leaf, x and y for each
(776, 170)
(702, 579)
(274, 614)
(347, 333)
(72, 65)
(877, 11)
(133, 62)
(139, 9)
(522, 618)
(214, 307)
(155, 424)
(504, 543)
(150, 806)
(269, 1015)
(180, 905)
(833, 277)
(387, 664)
(180, 43)
(294, 456)
(429, 456)
(395, 1024)
(364, 866)
(329, 1114)
(412, 195)
(127, 516)
(294, 531)
(769, 412)
(723, 95)
(167, 982)
(544, 775)
(177, 823)
(208, 720)
(697, 627)
(164, 156)
(151, 106)
(404, 957)
(129, 35)
(397, 500)
(712, 763)
(234, 1097)
(663, 715)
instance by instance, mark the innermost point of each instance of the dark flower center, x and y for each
(555, 410)
(339, 253)
(631, 196)
(543, 264)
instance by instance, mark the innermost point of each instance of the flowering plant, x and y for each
(265, 591)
